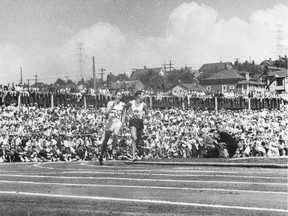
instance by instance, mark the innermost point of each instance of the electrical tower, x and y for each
(279, 38)
(81, 60)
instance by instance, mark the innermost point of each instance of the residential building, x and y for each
(138, 72)
(212, 68)
(180, 87)
(277, 81)
(231, 80)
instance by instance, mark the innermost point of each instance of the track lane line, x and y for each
(145, 201)
(136, 179)
(159, 174)
(144, 187)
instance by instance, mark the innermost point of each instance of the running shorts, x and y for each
(137, 123)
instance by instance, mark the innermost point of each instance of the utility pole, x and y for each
(36, 76)
(94, 74)
(102, 73)
(170, 66)
(237, 60)
(165, 78)
(21, 80)
(28, 82)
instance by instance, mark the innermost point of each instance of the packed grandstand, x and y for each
(74, 131)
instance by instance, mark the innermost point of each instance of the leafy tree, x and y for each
(89, 83)
(255, 70)
(70, 82)
(60, 82)
(184, 75)
(281, 62)
(122, 77)
(153, 80)
(110, 79)
(81, 82)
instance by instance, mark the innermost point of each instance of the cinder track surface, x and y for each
(85, 188)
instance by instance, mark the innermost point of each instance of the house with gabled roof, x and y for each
(275, 64)
(231, 80)
(215, 67)
(180, 87)
(277, 81)
(138, 72)
(267, 63)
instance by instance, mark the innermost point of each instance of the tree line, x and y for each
(153, 80)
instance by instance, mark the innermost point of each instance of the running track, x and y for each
(85, 188)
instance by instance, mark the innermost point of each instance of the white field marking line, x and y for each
(207, 171)
(145, 201)
(155, 174)
(38, 166)
(44, 167)
(180, 169)
(145, 187)
(135, 179)
(174, 175)
(86, 163)
(164, 174)
(257, 158)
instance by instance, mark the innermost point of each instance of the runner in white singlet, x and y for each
(137, 111)
(115, 113)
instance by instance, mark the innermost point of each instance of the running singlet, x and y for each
(137, 111)
(116, 111)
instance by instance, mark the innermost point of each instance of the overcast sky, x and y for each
(43, 36)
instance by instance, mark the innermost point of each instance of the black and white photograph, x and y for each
(143, 107)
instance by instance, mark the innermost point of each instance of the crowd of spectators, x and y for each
(67, 133)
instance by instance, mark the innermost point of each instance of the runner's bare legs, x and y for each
(133, 131)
